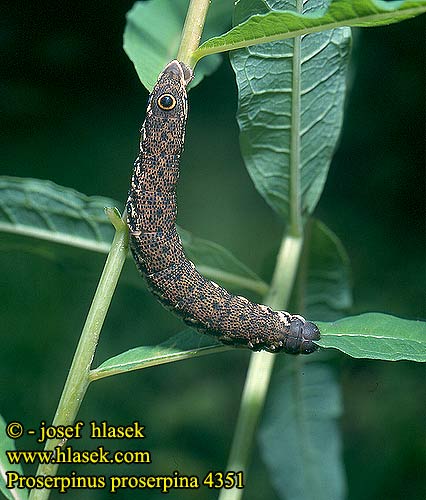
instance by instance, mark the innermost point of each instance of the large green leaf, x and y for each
(8, 444)
(276, 25)
(153, 32)
(376, 336)
(43, 210)
(299, 436)
(290, 111)
(40, 211)
(291, 96)
(184, 345)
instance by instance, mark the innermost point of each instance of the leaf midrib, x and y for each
(257, 286)
(369, 336)
(55, 237)
(294, 194)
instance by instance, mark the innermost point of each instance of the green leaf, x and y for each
(152, 36)
(184, 345)
(49, 214)
(278, 25)
(323, 287)
(43, 210)
(291, 96)
(7, 444)
(299, 437)
(219, 264)
(376, 336)
(153, 32)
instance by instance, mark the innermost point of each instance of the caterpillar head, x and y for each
(168, 98)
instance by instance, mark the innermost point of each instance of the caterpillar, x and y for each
(157, 249)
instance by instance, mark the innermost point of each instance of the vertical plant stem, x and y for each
(261, 366)
(78, 376)
(192, 30)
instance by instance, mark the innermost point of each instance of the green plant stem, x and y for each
(192, 30)
(78, 376)
(261, 365)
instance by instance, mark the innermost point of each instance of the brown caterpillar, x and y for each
(157, 248)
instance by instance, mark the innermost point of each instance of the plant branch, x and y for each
(78, 376)
(261, 365)
(192, 30)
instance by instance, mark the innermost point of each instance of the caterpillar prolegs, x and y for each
(157, 248)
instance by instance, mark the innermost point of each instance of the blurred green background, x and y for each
(70, 107)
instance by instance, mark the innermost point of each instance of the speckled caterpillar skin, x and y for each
(157, 248)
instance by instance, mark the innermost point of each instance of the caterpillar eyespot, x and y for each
(166, 102)
(157, 248)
